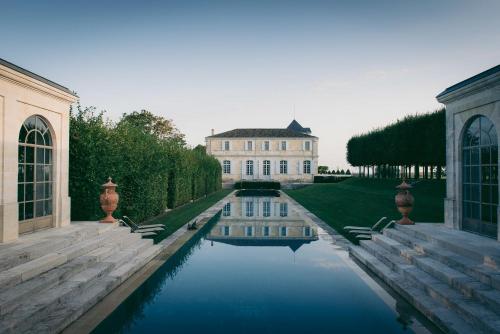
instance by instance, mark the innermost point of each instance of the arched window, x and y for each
(35, 179)
(480, 177)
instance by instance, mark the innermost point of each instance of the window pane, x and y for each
(30, 123)
(21, 211)
(474, 156)
(466, 192)
(30, 155)
(39, 139)
(485, 174)
(494, 174)
(48, 190)
(494, 194)
(47, 172)
(486, 213)
(31, 138)
(485, 194)
(466, 157)
(20, 192)
(485, 155)
(48, 156)
(39, 209)
(39, 173)
(20, 154)
(20, 173)
(40, 191)
(475, 174)
(30, 173)
(28, 211)
(28, 193)
(48, 138)
(48, 207)
(474, 211)
(22, 134)
(466, 174)
(474, 192)
(39, 155)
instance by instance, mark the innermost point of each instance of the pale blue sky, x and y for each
(347, 66)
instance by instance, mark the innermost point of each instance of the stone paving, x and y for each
(451, 276)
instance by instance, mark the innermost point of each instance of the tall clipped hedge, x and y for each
(147, 158)
(416, 141)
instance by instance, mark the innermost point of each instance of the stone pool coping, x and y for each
(170, 245)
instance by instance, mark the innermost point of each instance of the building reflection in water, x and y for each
(262, 221)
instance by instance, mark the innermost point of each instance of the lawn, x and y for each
(361, 201)
(176, 218)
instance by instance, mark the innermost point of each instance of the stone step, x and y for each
(12, 297)
(40, 306)
(477, 248)
(124, 271)
(467, 285)
(447, 320)
(473, 312)
(65, 313)
(472, 268)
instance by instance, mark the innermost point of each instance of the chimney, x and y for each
(213, 132)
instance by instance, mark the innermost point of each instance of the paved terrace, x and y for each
(451, 276)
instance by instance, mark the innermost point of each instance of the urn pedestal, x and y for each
(404, 202)
(109, 201)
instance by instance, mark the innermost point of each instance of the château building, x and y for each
(286, 155)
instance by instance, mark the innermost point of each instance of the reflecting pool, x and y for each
(261, 268)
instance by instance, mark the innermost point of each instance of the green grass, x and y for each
(361, 202)
(176, 218)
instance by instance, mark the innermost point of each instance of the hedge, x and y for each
(414, 141)
(257, 185)
(330, 179)
(144, 154)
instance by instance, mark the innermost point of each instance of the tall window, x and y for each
(266, 208)
(226, 167)
(226, 145)
(307, 166)
(265, 231)
(266, 167)
(283, 231)
(307, 231)
(480, 177)
(283, 209)
(283, 167)
(226, 211)
(307, 145)
(266, 145)
(225, 231)
(249, 231)
(249, 145)
(249, 209)
(283, 145)
(249, 167)
(35, 180)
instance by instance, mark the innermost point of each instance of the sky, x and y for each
(340, 67)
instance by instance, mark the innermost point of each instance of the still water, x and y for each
(261, 268)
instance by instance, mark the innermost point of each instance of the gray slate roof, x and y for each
(35, 76)
(295, 126)
(470, 80)
(261, 133)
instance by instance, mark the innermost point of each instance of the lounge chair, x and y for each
(367, 235)
(147, 226)
(363, 228)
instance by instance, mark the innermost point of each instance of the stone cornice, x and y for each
(470, 89)
(26, 81)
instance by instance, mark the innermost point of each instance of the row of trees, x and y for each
(325, 170)
(146, 156)
(402, 148)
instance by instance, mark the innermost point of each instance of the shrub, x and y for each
(329, 179)
(257, 185)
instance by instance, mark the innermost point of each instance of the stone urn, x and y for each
(109, 200)
(404, 201)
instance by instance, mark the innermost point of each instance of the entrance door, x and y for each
(480, 177)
